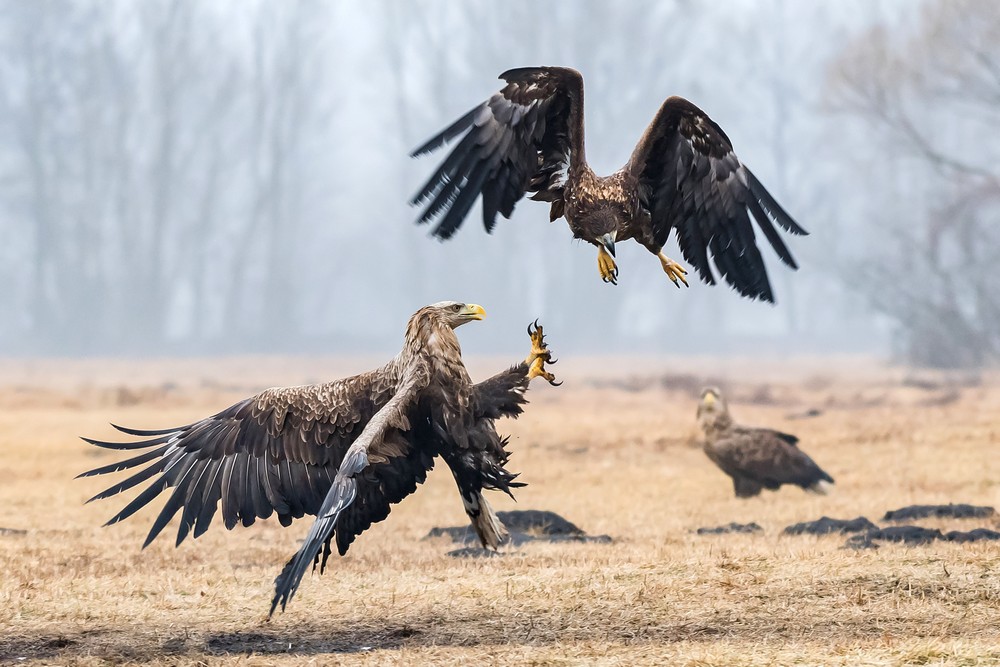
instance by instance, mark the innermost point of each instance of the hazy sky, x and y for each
(233, 176)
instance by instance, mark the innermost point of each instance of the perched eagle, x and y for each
(754, 457)
(344, 451)
(683, 175)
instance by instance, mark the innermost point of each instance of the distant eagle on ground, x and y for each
(754, 457)
(344, 451)
(683, 176)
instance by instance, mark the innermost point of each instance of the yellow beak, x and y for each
(474, 311)
(709, 399)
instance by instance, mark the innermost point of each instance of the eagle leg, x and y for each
(606, 265)
(674, 271)
(540, 355)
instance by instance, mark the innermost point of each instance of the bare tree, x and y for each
(930, 98)
(232, 175)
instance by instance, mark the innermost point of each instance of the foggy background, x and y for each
(225, 177)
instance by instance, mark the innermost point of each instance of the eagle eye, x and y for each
(457, 307)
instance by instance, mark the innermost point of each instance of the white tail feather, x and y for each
(487, 524)
(822, 487)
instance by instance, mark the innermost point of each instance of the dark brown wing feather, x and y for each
(690, 180)
(501, 395)
(522, 139)
(766, 457)
(276, 452)
(384, 485)
(380, 440)
(792, 440)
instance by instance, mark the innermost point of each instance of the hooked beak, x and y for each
(608, 241)
(708, 400)
(473, 311)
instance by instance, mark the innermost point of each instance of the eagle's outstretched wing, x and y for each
(522, 139)
(276, 452)
(501, 395)
(374, 441)
(690, 180)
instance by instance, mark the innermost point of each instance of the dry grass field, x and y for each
(613, 450)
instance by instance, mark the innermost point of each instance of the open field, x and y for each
(613, 450)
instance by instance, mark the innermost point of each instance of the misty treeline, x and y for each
(231, 176)
(929, 93)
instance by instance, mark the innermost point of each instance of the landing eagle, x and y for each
(344, 451)
(755, 458)
(683, 176)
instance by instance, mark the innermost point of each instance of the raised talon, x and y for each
(539, 355)
(538, 347)
(674, 271)
(606, 265)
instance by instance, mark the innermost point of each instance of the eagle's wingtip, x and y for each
(517, 71)
(274, 606)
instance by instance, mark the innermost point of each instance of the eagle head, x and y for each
(713, 413)
(599, 227)
(432, 326)
(455, 313)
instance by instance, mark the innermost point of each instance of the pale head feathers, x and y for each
(713, 412)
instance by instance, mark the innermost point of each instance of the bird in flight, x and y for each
(683, 175)
(344, 451)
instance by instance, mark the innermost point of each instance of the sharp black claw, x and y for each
(551, 361)
(554, 383)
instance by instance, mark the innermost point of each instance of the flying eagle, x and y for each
(683, 176)
(754, 457)
(344, 451)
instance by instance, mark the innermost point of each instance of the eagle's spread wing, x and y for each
(690, 180)
(501, 395)
(374, 441)
(765, 457)
(520, 140)
(277, 452)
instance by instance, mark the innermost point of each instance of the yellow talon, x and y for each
(540, 355)
(674, 271)
(606, 265)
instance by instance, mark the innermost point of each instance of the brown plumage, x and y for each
(683, 176)
(754, 458)
(344, 451)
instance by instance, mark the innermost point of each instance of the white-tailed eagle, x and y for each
(682, 176)
(755, 458)
(343, 451)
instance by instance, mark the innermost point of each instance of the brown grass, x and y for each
(611, 450)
